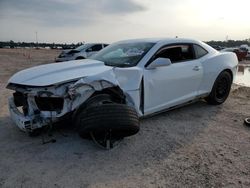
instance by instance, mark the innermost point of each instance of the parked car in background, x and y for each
(248, 55)
(246, 48)
(82, 52)
(106, 94)
(241, 54)
(217, 47)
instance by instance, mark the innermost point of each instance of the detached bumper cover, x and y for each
(25, 123)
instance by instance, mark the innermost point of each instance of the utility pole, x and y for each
(36, 40)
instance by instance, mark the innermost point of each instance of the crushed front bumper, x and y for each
(25, 123)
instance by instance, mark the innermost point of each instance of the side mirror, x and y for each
(159, 62)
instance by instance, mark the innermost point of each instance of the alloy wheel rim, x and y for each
(222, 88)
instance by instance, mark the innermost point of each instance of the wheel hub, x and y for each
(105, 139)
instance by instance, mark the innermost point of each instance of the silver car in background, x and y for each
(82, 52)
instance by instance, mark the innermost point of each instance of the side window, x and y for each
(177, 53)
(199, 51)
(105, 45)
(96, 48)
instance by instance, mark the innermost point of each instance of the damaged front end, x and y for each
(47, 93)
(34, 107)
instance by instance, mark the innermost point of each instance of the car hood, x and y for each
(55, 73)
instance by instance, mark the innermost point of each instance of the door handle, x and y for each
(196, 68)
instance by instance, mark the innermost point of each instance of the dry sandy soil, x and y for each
(195, 146)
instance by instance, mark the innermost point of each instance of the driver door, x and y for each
(168, 86)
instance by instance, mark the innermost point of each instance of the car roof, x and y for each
(162, 40)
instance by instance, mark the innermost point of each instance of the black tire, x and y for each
(93, 101)
(120, 119)
(247, 121)
(221, 89)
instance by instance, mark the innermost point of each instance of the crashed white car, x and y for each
(82, 52)
(124, 81)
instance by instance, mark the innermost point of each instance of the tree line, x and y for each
(229, 43)
(12, 44)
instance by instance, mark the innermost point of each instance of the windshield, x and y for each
(82, 47)
(123, 54)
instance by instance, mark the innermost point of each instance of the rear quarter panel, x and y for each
(213, 66)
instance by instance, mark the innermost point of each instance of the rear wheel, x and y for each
(221, 89)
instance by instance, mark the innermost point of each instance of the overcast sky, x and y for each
(111, 20)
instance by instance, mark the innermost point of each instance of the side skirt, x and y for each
(198, 98)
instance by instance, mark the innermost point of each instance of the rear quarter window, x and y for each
(199, 51)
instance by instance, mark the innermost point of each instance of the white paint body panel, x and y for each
(171, 85)
(149, 91)
(56, 73)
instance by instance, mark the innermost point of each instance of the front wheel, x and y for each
(106, 122)
(221, 89)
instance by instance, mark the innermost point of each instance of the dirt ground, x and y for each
(195, 146)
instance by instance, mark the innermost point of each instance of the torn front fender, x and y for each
(127, 79)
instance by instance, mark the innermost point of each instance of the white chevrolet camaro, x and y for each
(105, 95)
